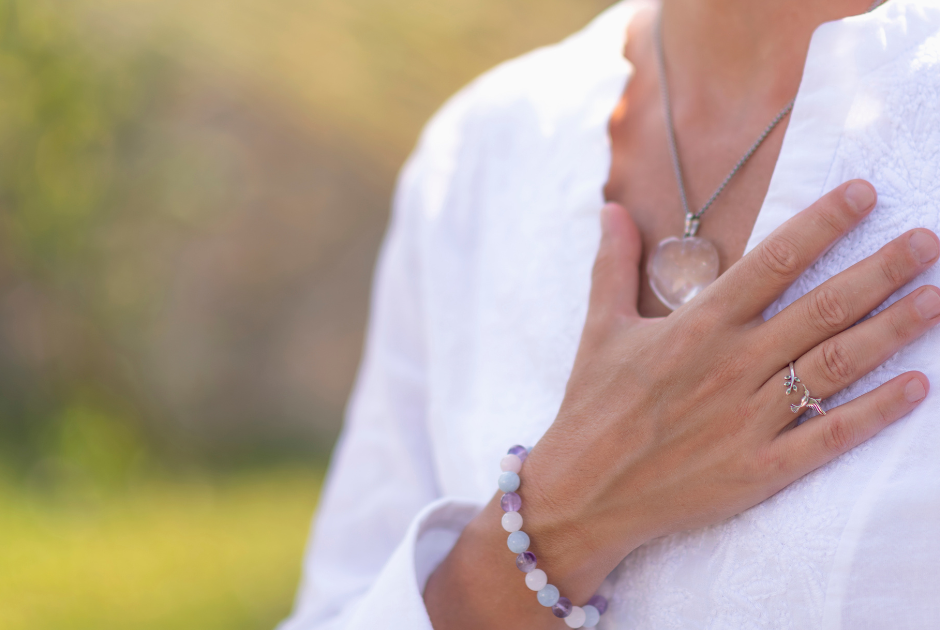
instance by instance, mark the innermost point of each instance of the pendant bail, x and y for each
(691, 224)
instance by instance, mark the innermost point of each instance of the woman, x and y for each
(665, 447)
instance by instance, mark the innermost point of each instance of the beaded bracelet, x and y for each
(548, 596)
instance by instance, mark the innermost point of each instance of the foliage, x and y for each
(191, 194)
(67, 118)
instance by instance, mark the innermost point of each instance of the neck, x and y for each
(738, 51)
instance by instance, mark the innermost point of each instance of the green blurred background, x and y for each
(192, 194)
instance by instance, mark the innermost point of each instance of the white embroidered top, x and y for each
(480, 296)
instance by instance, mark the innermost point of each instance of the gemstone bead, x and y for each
(548, 595)
(519, 451)
(518, 542)
(509, 481)
(577, 618)
(536, 580)
(526, 561)
(512, 521)
(510, 463)
(511, 502)
(562, 607)
(591, 616)
(599, 602)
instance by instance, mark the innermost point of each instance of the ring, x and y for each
(791, 382)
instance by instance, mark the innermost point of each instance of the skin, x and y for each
(672, 423)
(728, 78)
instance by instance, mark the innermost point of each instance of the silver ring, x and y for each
(807, 402)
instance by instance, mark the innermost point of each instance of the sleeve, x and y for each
(382, 526)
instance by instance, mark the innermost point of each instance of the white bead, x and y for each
(576, 618)
(536, 580)
(512, 521)
(510, 463)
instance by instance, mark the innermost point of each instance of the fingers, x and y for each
(846, 298)
(839, 361)
(749, 286)
(824, 438)
(616, 276)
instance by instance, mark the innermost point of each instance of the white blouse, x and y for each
(480, 296)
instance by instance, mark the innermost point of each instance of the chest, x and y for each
(508, 277)
(508, 258)
(642, 177)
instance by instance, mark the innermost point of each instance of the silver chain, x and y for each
(693, 219)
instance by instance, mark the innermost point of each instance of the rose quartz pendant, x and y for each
(680, 268)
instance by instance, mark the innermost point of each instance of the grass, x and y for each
(168, 555)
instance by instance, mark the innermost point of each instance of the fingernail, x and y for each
(914, 391)
(928, 304)
(860, 196)
(924, 246)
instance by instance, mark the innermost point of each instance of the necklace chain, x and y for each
(693, 219)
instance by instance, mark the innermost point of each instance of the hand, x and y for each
(673, 423)
(678, 422)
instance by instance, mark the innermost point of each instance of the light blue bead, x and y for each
(591, 617)
(518, 542)
(548, 596)
(509, 481)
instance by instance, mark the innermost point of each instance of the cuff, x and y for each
(396, 598)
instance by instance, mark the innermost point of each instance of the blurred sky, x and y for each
(192, 194)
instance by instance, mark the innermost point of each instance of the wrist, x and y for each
(568, 535)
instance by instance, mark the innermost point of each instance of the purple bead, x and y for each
(526, 562)
(599, 602)
(562, 607)
(519, 451)
(511, 502)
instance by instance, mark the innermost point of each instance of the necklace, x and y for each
(681, 268)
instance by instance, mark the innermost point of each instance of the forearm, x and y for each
(478, 584)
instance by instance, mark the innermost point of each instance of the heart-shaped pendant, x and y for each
(680, 268)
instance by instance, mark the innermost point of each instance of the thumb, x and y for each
(615, 280)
